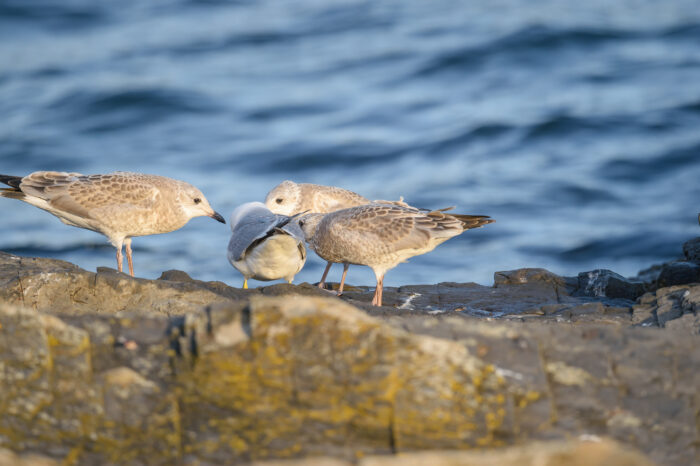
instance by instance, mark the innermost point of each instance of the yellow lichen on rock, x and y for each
(323, 367)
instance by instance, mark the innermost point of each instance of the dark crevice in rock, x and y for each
(207, 311)
(245, 321)
(175, 333)
(393, 447)
(193, 346)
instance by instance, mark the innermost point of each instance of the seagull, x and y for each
(263, 245)
(290, 198)
(382, 236)
(119, 205)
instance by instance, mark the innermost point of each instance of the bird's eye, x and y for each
(279, 200)
(301, 223)
(197, 200)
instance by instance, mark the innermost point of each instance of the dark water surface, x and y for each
(576, 125)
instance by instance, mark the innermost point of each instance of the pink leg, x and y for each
(342, 280)
(377, 299)
(128, 257)
(119, 258)
(322, 283)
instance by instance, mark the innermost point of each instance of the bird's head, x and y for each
(194, 204)
(309, 224)
(284, 199)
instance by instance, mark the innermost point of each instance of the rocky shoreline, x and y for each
(102, 368)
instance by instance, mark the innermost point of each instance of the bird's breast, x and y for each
(276, 257)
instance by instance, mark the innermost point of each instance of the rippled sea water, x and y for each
(576, 125)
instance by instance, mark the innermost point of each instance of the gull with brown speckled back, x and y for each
(290, 198)
(119, 205)
(382, 236)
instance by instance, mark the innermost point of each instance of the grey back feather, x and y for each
(253, 221)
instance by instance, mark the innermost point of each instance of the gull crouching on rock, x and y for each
(119, 205)
(382, 236)
(265, 246)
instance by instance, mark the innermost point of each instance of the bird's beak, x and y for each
(217, 216)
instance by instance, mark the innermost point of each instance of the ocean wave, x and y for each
(647, 245)
(59, 15)
(649, 169)
(476, 133)
(292, 159)
(539, 39)
(286, 111)
(101, 111)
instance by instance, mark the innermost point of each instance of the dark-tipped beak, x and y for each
(217, 216)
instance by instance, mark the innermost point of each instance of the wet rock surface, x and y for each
(102, 368)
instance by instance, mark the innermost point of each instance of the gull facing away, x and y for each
(119, 205)
(263, 245)
(382, 236)
(290, 198)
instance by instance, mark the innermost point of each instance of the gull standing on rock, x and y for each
(290, 198)
(263, 245)
(119, 205)
(382, 236)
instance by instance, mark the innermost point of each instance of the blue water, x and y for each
(576, 125)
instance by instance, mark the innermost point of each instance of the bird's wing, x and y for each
(248, 231)
(293, 229)
(332, 198)
(393, 227)
(84, 196)
(38, 183)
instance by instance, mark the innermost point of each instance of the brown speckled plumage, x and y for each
(118, 205)
(382, 236)
(290, 198)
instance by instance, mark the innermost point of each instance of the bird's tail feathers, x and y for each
(10, 180)
(473, 221)
(11, 193)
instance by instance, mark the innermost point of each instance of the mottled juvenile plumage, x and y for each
(119, 205)
(265, 246)
(290, 198)
(382, 236)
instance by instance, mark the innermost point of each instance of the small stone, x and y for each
(528, 275)
(602, 282)
(176, 276)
